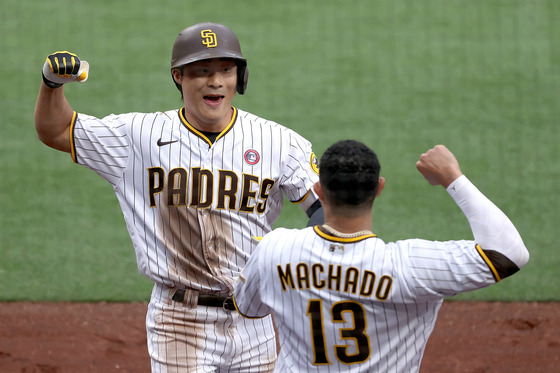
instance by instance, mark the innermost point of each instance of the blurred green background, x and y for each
(481, 76)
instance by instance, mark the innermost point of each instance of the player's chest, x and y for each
(229, 174)
(173, 148)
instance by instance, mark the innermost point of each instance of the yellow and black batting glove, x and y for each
(64, 67)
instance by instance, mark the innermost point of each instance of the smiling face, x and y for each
(208, 90)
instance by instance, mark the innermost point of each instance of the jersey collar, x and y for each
(199, 133)
(329, 237)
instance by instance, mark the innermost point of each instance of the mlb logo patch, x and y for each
(252, 157)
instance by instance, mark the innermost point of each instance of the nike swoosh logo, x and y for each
(162, 143)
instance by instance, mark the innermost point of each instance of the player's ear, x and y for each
(319, 191)
(177, 76)
(380, 186)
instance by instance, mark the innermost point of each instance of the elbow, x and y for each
(45, 138)
(524, 256)
(55, 135)
(61, 142)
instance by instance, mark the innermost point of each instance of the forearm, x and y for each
(53, 116)
(491, 228)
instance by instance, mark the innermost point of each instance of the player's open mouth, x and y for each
(213, 100)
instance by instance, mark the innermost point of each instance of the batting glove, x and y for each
(64, 67)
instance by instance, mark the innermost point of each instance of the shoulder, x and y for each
(402, 246)
(144, 121)
(252, 119)
(282, 235)
(127, 117)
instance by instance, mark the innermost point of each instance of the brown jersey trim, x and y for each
(199, 133)
(488, 263)
(504, 266)
(72, 143)
(328, 237)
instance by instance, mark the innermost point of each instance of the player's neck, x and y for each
(209, 124)
(349, 225)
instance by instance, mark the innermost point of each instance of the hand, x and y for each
(64, 67)
(439, 166)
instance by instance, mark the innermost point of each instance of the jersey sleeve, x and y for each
(102, 145)
(300, 172)
(434, 270)
(248, 289)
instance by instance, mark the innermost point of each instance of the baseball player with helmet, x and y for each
(342, 298)
(196, 185)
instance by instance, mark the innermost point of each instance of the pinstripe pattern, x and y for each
(192, 208)
(185, 338)
(411, 279)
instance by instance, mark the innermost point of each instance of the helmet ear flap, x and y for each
(242, 78)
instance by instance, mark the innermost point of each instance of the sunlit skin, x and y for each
(208, 90)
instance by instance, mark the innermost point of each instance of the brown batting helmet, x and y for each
(209, 40)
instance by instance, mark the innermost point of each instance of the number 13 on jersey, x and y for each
(340, 312)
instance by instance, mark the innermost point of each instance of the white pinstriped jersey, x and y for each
(355, 305)
(191, 207)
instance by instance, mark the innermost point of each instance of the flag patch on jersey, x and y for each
(252, 157)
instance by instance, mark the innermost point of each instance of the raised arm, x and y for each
(492, 229)
(53, 113)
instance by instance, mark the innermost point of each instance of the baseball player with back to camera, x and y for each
(342, 298)
(196, 185)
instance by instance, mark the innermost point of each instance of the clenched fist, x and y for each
(439, 166)
(64, 67)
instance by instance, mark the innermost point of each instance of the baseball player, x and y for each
(342, 298)
(196, 186)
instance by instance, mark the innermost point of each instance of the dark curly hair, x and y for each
(349, 173)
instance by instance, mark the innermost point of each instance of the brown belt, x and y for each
(208, 300)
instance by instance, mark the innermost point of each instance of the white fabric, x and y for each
(382, 330)
(491, 228)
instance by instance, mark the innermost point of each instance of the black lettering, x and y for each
(248, 193)
(351, 283)
(384, 287)
(225, 178)
(155, 183)
(332, 277)
(195, 186)
(302, 273)
(368, 282)
(266, 185)
(206, 189)
(286, 278)
(177, 187)
(316, 269)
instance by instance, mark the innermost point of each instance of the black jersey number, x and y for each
(356, 335)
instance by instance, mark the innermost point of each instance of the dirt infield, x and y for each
(110, 337)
